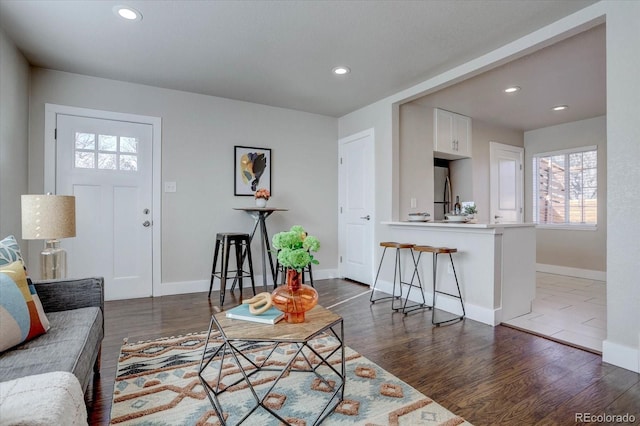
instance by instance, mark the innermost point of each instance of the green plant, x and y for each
(295, 248)
(470, 209)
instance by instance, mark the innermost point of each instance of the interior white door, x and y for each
(107, 165)
(356, 219)
(507, 183)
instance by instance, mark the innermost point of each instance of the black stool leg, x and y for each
(310, 275)
(239, 271)
(373, 289)
(406, 309)
(458, 286)
(275, 281)
(213, 269)
(435, 274)
(459, 296)
(248, 253)
(225, 269)
(398, 269)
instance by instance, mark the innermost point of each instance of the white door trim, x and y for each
(341, 243)
(51, 112)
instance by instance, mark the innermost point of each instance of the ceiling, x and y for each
(281, 53)
(571, 72)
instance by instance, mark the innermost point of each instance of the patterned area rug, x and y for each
(157, 383)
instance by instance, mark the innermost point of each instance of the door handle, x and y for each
(497, 217)
(146, 224)
(367, 217)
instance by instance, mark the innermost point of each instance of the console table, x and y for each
(260, 214)
(233, 351)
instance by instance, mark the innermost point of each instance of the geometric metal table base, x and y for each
(240, 339)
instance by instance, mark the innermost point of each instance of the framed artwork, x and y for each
(251, 170)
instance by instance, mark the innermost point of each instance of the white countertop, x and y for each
(470, 224)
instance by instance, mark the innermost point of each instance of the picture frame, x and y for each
(247, 163)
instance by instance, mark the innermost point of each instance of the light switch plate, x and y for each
(169, 187)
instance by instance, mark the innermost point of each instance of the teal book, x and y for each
(241, 312)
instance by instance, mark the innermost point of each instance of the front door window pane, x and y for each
(107, 143)
(85, 141)
(85, 160)
(129, 162)
(106, 161)
(128, 144)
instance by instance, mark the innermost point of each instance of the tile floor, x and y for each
(568, 309)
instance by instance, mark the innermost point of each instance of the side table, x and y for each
(238, 337)
(260, 215)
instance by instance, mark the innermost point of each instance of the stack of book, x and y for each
(241, 312)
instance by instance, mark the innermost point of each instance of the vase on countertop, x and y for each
(295, 298)
(261, 202)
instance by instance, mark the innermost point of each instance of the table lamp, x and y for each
(50, 218)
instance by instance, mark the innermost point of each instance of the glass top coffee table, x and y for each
(262, 358)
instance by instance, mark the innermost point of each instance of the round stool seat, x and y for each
(438, 250)
(392, 244)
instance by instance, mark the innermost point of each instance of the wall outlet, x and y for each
(169, 187)
(414, 203)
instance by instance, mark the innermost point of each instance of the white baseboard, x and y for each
(572, 272)
(449, 304)
(199, 286)
(621, 356)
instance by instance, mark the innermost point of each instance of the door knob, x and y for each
(146, 224)
(367, 217)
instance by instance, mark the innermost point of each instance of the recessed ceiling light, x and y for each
(128, 13)
(560, 107)
(512, 89)
(341, 70)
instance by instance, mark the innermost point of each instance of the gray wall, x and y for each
(14, 134)
(582, 249)
(198, 136)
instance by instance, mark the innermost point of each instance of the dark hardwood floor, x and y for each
(488, 375)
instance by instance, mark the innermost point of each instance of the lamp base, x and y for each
(53, 261)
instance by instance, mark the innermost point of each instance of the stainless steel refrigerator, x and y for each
(441, 192)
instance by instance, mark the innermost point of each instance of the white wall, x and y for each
(581, 249)
(416, 158)
(622, 346)
(198, 136)
(14, 133)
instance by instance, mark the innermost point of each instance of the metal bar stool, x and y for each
(397, 272)
(436, 251)
(242, 244)
(417, 305)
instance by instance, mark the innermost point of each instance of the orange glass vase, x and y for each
(295, 298)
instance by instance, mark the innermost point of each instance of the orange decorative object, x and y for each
(295, 298)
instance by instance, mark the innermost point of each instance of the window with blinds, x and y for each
(565, 187)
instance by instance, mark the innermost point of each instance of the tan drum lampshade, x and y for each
(48, 217)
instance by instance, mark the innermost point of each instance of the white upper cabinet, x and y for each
(451, 135)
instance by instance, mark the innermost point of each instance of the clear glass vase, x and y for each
(295, 298)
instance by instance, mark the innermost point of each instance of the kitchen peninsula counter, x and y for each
(466, 225)
(495, 265)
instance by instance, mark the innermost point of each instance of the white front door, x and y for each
(356, 219)
(507, 183)
(107, 165)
